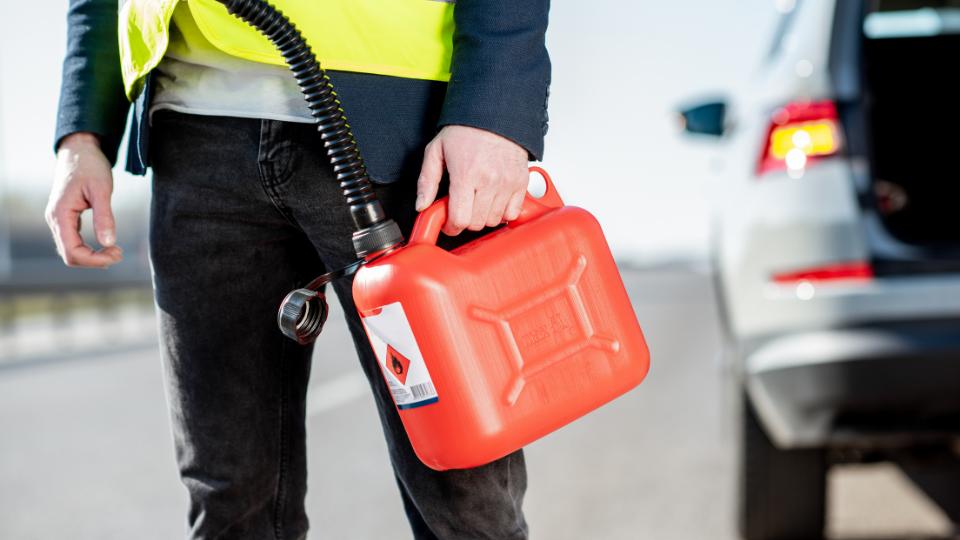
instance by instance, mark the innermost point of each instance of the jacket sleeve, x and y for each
(500, 70)
(91, 91)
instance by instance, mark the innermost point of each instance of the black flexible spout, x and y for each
(375, 231)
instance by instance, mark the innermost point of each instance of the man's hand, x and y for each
(82, 181)
(488, 177)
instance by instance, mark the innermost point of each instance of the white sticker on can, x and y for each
(400, 358)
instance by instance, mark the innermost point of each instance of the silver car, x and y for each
(837, 247)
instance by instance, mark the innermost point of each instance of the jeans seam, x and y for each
(517, 515)
(267, 169)
(283, 448)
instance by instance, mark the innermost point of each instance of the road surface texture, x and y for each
(85, 450)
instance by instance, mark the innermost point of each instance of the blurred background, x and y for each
(85, 445)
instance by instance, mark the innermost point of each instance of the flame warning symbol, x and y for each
(398, 364)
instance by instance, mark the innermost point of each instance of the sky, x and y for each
(620, 68)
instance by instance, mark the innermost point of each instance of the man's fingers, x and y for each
(54, 230)
(66, 225)
(482, 202)
(459, 208)
(507, 198)
(103, 223)
(85, 256)
(515, 205)
(498, 208)
(430, 174)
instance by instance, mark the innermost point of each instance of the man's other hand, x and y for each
(82, 181)
(488, 177)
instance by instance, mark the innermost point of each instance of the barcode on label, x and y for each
(423, 390)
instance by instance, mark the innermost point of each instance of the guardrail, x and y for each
(45, 288)
(43, 278)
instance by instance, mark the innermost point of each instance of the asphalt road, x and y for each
(85, 450)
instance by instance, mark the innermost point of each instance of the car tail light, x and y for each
(845, 271)
(800, 133)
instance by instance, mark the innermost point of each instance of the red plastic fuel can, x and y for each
(505, 339)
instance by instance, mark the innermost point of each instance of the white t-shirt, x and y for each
(196, 77)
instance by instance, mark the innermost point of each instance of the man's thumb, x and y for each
(430, 174)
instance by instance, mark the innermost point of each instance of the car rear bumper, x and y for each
(877, 384)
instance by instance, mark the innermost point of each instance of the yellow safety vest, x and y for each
(403, 38)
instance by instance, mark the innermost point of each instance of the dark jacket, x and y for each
(500, 81)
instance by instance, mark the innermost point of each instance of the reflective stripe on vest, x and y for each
(403, 38)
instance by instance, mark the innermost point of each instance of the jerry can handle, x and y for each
(426, 229)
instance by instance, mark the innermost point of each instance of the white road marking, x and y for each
(339, 391)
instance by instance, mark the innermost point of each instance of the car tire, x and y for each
(782, 493)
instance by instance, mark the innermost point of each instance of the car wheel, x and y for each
(782, 492)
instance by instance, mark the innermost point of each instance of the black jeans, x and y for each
(243, 212)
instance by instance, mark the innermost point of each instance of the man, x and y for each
(245, 208)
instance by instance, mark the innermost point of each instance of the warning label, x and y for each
(399, 356)
(398, 364)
